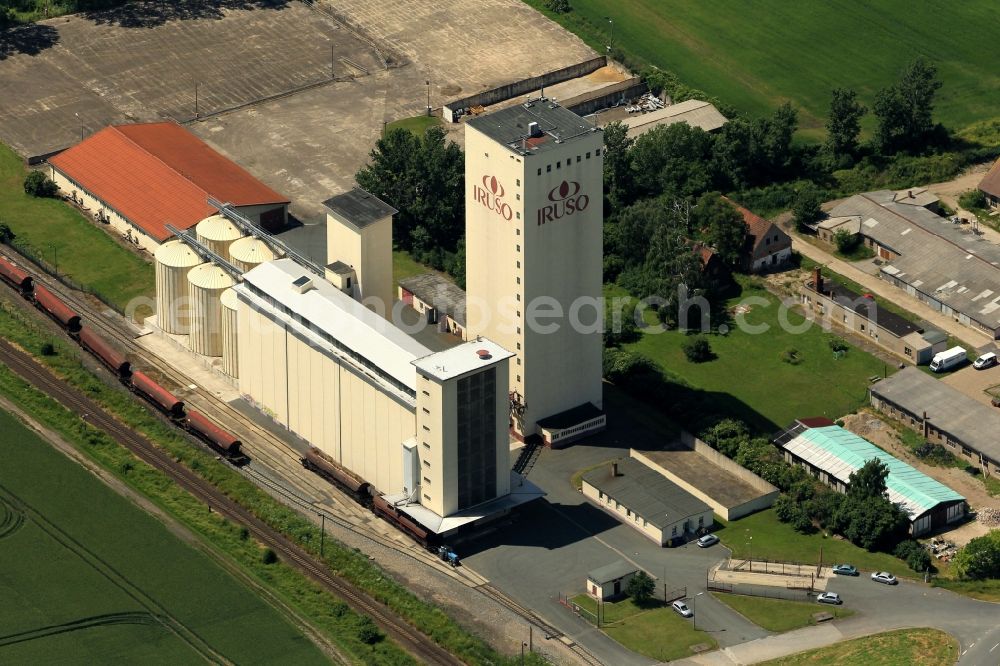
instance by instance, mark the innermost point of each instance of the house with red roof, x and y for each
(767, 246)
(141, 178)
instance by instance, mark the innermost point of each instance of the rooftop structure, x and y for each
(990, 185)
(963, 421)
(461, 359)
(535, 127)
(945, 265)
(839, 453)
(359, 208)
(157, 174)
(339, 319)
(696, 113)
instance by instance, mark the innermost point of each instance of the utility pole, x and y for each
(428, 82)
(611, 38)
(197, 113)
(333, 73)
(322, 532)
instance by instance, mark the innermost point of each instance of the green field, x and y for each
(775, 540)
(417, 124)
(56, 233)
(912, 647)
(749, 380)
(654, 630)
(779, 615)
(89, 578)
(755, 55)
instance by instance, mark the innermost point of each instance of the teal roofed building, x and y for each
(832, 454)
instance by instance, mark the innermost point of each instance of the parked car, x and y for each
(707, 540)
(829, 598)
(845, 570)
(987, 360)
(682, 609)
(884, 577)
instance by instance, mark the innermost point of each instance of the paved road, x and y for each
(550, 550)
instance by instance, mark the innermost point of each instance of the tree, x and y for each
(268, 556)
(558, 6)
(423, 178)
(619, 184)
(640, 587)
(905, 110)
(806, 208)
(845, 241)
(727, 436)
(868, 482)
(914, 554)
(673, 160)
(6, 233)
(38, 185)
(368, 632)
(843, 125)
(980, 558)
(697, 349)
(722, 226)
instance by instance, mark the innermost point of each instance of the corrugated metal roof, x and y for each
(943, 260)
(177, 254)
(696, 113)
(973, 424)
(840, 452)
(646, 492)
(157, 174)
(341, 317)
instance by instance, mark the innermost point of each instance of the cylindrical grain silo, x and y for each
(205, 286)
(230, 364)
(249, 252)
(173, 261)
(217, 233)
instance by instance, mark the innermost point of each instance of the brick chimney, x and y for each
(818, 280)
(927, 426)
(614, 469)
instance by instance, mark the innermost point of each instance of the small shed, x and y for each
(610, 581)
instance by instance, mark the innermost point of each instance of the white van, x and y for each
(948, 359)
(987, 360)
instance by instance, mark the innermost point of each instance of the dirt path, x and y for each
(875, 428)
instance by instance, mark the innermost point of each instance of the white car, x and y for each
(884, 577)
(985, 361)
(829, 598)
(707, 540)
(682, 609)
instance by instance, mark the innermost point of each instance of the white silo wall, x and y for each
(230, 357)
(206, 284)
(174, 260)
(249, 252)
(217, 233)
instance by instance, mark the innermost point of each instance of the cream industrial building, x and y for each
(316, 349)
(534, 250)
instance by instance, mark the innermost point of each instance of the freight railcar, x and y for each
(157, 395)
(114, 360)
(16, 277)
(222, 441)
(315, 461)
(54, 306)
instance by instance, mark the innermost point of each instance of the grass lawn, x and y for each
(54, 230)
(778, 615)
(657, 632)
(417, 124)
(405, 266)
(819, 385)
(83, 553)
(987, 590)
(740, 52)
(913, 647)
(775, 540)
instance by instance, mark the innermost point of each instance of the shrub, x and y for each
(640, 588)
(839, 344)
(558, 6)
(268, 556)
(972, 199)
(914, 554)
(368, 633)
(697, 349)
(6, 233)
(980, 558)
(792, 356)
(244, 534)
(845, 241)
(37, 185)
(48, 349)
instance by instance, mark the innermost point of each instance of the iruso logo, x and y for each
(566, 200)
(491, 196)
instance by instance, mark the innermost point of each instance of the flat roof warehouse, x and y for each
(510, 126)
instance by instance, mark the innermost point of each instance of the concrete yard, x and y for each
(142, 62)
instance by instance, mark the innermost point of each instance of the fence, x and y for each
(596, 617)
(776, 567)
(766, 591)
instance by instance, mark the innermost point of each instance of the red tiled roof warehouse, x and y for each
(150, 175)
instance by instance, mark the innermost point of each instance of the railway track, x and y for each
(408, 637)
(270, 453)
